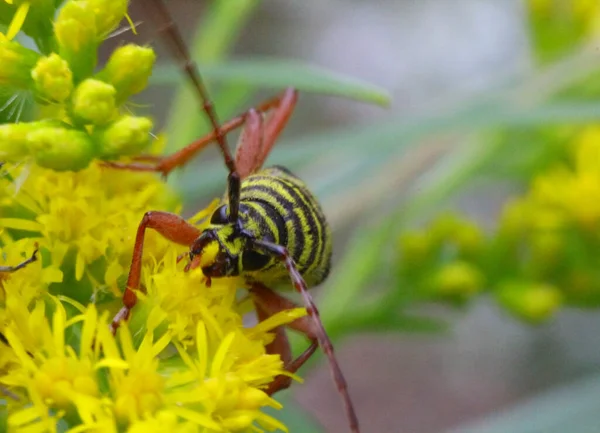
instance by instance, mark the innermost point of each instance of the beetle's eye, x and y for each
(220, 215)
(253, 261)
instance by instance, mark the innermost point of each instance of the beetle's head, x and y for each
(225, 247)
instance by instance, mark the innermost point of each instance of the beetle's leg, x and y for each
(21, 265)
(276, 121)
(250, 144)
(268, 303)
(299, 284)
(169, 225)
(256, 140)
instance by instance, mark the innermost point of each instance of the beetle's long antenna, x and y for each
(180, 50)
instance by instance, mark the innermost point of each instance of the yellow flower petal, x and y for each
(18, 20)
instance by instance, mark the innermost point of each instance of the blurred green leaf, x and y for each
(354, 274)
(378, 321)
(280, 73)
(572, 408)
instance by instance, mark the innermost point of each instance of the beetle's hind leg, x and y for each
(268, 303)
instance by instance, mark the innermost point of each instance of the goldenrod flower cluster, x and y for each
(185, 361)
(544, 252)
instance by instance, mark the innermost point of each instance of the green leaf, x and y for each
(280, 73)
(572, 408)
(353, 275)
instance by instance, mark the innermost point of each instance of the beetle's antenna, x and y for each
(179, 48)
(181, 52)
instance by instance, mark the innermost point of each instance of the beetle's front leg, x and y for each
(172, 227)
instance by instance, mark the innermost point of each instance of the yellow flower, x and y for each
(566, 193)
(86, 216)
(54, 375)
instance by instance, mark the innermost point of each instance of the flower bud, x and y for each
(547, 247)
(128, 135)
(16, 64)
(75, 30)
(415, 247)
(444, 226)
(108, 14)
(530, 301)
(53, 78)
(94, 101)
(458, 279)
(469, 238)
(515, 219)
(13, 141)
(128, 70)
(59, 148)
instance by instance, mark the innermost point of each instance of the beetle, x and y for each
(268, 229)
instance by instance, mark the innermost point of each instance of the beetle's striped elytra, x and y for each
(277, 206)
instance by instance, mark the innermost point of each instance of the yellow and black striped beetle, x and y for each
(268, 229)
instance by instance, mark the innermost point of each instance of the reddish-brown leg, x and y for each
(172, 227)
(249, 144)
(184, 155)
(276, 122)
(299, 284)
(257, 140)
(268, 303)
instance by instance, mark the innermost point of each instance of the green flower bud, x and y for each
(546, 247)
(469, 238)
(60, 148)
(16, 63)
(128, 135)
(94, 101)
(53, 78)
(13, 141)
(415, 247)
(75, 30)
(515, 219)
(532, 302)
(128, 69)
(108, 13)
(444, 226)
(458, 279)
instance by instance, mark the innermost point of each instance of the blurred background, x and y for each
(466, 213)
